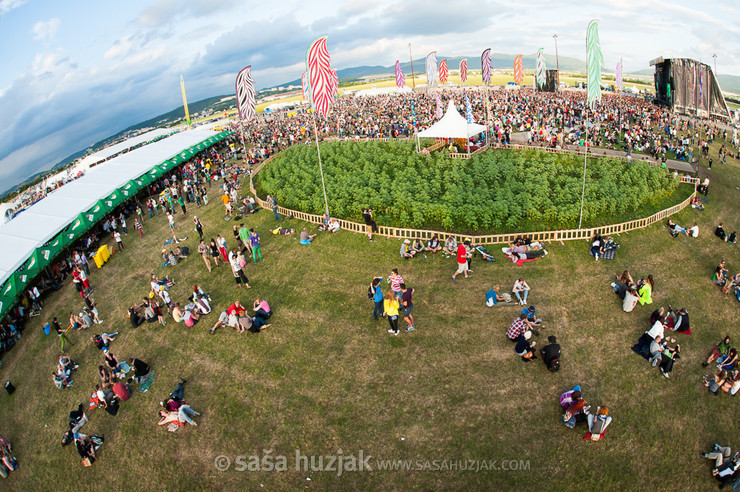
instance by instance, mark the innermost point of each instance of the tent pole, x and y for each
(321, 169)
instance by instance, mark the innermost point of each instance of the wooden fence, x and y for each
(508, 238)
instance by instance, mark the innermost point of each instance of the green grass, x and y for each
(327, 377)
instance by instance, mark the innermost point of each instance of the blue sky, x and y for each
(75, 72)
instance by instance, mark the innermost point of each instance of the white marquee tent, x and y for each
(103, 154)
(46, 218)
(452, 125)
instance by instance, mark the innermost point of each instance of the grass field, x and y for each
(327, 379)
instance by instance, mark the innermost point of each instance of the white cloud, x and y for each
(8, 5)
(45, 30)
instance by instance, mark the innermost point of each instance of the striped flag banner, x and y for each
(619, 74)
(541, 71)
(245, 94)
(320, 76)
(468, 110)
(486, 66)
(304, 86)
(431, 65)
(334, 84)
(464, 70)
(701, 85)
(400, 79)
(519, 69)
(594, 63)
(443, 72)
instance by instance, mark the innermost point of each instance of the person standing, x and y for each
(254, 241)
(138, 227)
(204, 252)
(395, 280)
(244, 236)
(122, 220)
(408, 306)
(119, 242)
(391, 305)
(235, 260)
(274, 203)
(370, 225)
(181, 201)
(198, 226)
(377, 293)
(462, 260)
(222, 248)
(60, 332)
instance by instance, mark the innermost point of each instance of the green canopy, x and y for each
(97, 212)
(37, 262)
(115, 198)
(6, 304)
(9, 289)
(80, 225)
(132, 187)
(21, 279)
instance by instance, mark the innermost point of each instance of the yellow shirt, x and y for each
(391, 307)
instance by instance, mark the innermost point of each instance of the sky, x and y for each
(76, 72)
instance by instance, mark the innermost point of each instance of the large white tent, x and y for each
(35, 226)
(452, 125)
(130, 143)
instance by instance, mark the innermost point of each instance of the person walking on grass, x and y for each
(462, 260)
(61, 332)
(138, 227)
(273, 201)
(254, 241)
(119, 242)
(391, 306)
(198, 226)
(408, 306)
(205, 253)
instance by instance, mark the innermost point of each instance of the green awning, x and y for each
(9, 289)
(98, 211)
(115, 198)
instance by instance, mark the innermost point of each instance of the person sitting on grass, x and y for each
(433, 245)
(720, 232)
(223, 320)
(306, 238)
(645, 290)
(261, 309)
(693, 231)
(697, 204)
(141, 370)
(494, 297)
(518, 327)
(450, 246)
(333, 225)
(532, 320)
(61, 380)
(182, 252)
(732, 383)
(597, 247)
(406, 250)
(417, 245)
(523, 348)
(597, 424)
(732, 238)
(576, 411)
(551, 354)
(720, 274)
(730, 362)
(680, 321)
(134, 317)
(521, 291)
(87, 447)
(190, 318)
(715, 382)
(719, 352)
(724, 465)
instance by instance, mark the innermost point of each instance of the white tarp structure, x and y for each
(452, 125)
(103, 154)
(43, 220)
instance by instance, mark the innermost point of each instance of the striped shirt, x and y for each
(396, 282)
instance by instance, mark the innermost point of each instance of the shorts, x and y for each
(462, 267)
(407, 310)
(224, 317)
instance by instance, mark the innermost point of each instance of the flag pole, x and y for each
(585, 161)
(321, 169)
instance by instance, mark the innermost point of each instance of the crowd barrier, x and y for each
(507, 238)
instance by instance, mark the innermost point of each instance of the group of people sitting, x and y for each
(62, 378)
(523, 249)
(176, 411)
(727, 376)
(660, 350)
(632, 292)
(86, 446)
(577, 412)
(9, 462)
(728, 238)
(676, 229)
(726, 282)
(603, 247)
(410, 249)
(172, 258)
(236, 316)
(520, 332)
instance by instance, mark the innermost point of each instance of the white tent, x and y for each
(105, 153)
(452, 125)
(383, 91)
(46, 218)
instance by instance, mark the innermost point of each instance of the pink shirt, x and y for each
(264, 306)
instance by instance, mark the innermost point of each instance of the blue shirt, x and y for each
(378, 297)
(530, 314)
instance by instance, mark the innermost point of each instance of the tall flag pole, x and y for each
(431, 66)
(619, 83)
(469, 119)
(443, 72)
(413, 77)
(464, 70)
(245, 100)
(320, 81)
(486, 68)
(184, 100)
(594, 63)
(541, 72)
(519, 69)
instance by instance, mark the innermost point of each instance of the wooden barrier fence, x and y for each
(507, 238)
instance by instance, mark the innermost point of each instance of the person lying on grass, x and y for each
(725, 467)
(597, 424)
(283, 231)
(103, 340)
(190, 318)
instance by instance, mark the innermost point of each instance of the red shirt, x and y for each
(239, 311)
(462, 254)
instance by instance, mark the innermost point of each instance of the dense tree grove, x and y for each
(500, 190)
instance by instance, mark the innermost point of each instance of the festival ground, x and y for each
(326, 377)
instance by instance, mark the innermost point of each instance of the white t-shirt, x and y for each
(656, 330)
(630, 302)
(117, 236)
(694, 231)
